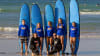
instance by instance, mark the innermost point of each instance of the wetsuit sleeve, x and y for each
(59, 41)
(53, 43)
(19, 30)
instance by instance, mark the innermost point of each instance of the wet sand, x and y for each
(88, 47)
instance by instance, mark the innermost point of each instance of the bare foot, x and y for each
(21, 53)
(47, 52)
(26, 54)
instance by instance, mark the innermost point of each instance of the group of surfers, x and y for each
(54, 37)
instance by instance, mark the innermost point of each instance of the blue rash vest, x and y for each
(39, 32)
(49, 31)
(23, 31)
(60, 29)
(73, 31)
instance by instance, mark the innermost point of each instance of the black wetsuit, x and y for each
(56, 46)
(33, 43)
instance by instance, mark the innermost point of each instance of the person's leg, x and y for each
(74, 41)
(47, 44)
(58, 54)
(21, 46)
(32, 54)
(50, 43)
(26, 43)
(71, 43)
(53, 51)
(62, 41)
(41, 40)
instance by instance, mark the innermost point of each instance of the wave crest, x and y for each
(8, 28)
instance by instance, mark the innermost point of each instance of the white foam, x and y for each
(90, 13)
(8, 28)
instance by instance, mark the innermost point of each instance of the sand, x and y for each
(88, 47)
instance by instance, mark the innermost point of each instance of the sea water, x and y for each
(10, 14)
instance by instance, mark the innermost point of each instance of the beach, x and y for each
(87, 47)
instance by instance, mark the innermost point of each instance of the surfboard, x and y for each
(24, 14)
(60, 13)
(49, 16)
(75, 17)
(35, 17)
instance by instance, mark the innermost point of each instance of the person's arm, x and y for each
(53, 43)
(19, 31)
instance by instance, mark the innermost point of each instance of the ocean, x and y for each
(89, 15)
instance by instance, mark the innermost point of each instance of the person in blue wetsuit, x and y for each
(49, 35)
(23, 34)
(73, 32)
(40, 33)
(61, 31)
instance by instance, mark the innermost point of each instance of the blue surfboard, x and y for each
(75, 17)
(49, 16)
(24, 14)
(35, 17)
(60, 13)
